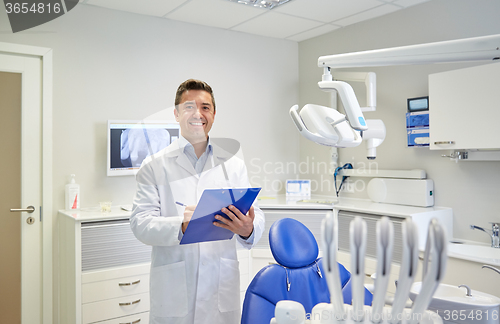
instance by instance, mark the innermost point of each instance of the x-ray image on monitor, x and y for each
(130, 142)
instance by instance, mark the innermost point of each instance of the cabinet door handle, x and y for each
(444, 143)
(130, 303)
(134, 322)
(129, 283)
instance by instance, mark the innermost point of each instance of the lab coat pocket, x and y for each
(229, 285)
(169, 290)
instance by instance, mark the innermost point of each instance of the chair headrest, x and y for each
(292, 243)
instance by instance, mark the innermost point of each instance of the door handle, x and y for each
(30, 209)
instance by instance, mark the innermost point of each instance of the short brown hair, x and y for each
(193, 84)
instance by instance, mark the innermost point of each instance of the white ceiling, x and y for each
(296, 20)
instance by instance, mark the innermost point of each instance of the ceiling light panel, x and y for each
(156, 8)
(266, 4)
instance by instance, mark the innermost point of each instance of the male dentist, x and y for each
(192, 283)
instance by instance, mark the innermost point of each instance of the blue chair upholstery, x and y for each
(347, 294)
(298, 276)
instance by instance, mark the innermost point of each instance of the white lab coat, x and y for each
(193, 283)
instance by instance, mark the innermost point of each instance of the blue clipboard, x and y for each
(201, 227)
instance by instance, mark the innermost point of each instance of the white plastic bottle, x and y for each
(72, 195)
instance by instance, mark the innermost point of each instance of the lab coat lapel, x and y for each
(219, 156)
(174, 150)
(183, 161)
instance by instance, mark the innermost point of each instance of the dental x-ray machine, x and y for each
(327, 126)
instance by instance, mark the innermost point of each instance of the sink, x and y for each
(477, 253)
(452, 304)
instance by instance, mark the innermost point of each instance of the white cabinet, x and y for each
(103, 270)
(465, 108)
(109, 294)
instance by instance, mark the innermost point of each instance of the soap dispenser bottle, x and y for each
(72, 195)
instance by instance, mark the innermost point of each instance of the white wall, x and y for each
(116, 65)
(470, 188)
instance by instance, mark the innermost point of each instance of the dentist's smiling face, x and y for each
(195, 115)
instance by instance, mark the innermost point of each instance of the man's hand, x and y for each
(238, 223)
(188, 213)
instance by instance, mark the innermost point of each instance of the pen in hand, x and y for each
(180, 204)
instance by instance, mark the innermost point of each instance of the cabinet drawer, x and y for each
(112, 273)
(108, 244)
(114, 308)
(142, 318)
(114, 288)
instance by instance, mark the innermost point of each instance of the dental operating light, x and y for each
(327, 126)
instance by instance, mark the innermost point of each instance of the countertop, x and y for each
(475, 252)
(278, 202)
(94, 214)
(283, 202)
(351, 204)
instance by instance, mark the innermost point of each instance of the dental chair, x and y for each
(298, 276)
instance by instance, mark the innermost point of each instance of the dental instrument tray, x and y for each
(201, 227)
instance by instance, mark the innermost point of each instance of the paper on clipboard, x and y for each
(201, 227)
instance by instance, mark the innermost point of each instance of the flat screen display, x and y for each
(131, 141)
(418, 104)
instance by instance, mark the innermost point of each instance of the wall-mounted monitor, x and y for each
(418, 104)
(131, 141)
